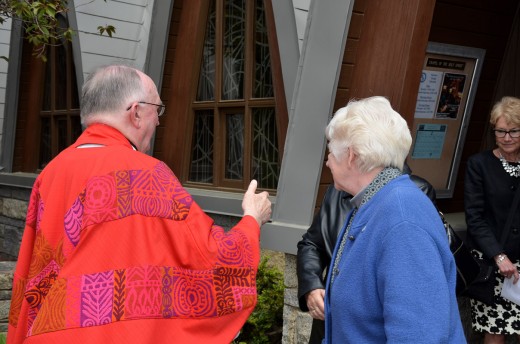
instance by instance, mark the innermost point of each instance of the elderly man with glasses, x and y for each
(115, 250)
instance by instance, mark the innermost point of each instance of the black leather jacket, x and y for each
(317, 244)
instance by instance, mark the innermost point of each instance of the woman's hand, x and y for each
(316, 304)
(506, 267)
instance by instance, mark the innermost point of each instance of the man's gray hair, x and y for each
(110, 89)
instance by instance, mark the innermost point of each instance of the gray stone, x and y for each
(9, 221)
(13, 208)
(5, 294)
(22, 194)
(4, 310)
(5, 192)
(291, 297)
(10, 240)
(297, 326)
(6, 280)
(289, 325)
(304, 326)
(290, 277)
(7, 266)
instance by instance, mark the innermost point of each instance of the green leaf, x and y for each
(50, 12)
(109, 29)
(40, 23)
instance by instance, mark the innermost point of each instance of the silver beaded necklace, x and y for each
(514, 171)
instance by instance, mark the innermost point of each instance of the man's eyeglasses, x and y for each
(515, 133)
(160, 108)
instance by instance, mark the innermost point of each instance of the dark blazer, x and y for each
(488, 194)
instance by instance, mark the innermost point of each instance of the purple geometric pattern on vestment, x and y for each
(72, 222)
(96, 299)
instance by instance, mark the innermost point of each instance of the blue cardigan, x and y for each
(396, 280)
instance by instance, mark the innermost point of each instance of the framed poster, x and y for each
(444, 102)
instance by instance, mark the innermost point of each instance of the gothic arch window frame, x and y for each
(11, 152)
(174, 139)
(59, 113)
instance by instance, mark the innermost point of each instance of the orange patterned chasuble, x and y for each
(116, 251)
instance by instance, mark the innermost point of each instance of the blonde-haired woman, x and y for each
(492, 179)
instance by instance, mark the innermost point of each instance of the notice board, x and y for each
(444, 102)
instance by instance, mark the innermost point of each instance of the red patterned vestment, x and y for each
(116, 251)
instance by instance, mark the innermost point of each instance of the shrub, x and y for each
(265, 324)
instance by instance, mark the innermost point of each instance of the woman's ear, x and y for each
(351, 157)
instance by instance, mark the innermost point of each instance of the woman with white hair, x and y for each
(392, 276)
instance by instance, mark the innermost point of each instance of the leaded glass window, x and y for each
(265, 152)
(234, 136)
(206, 85)
(201, 168)
(48, 118)
(60, 123)
(233, 50)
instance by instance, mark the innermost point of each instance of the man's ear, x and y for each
(135, 119)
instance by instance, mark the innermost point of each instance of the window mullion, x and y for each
(249, 55)
(248, 92)
(218, 147)
(218, 127)
(219, 50)
(53, 124)
(68, 101)
(247, 145)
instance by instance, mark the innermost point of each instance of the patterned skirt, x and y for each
(501, 318)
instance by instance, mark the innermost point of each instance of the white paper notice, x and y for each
(511, 291)
(428, 95)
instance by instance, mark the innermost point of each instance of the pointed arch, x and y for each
(227, 113)
(48, 114)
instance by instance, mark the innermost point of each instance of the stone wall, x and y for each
(6, 284)
(13, 208)
(296, 324)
